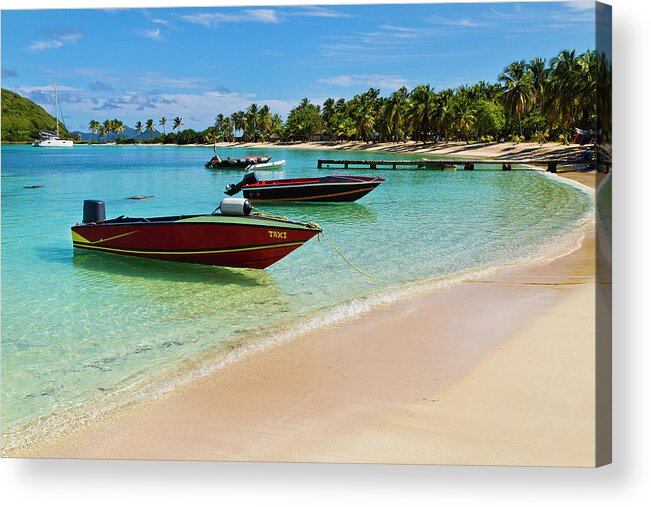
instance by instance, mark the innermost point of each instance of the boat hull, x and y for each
(217, 240)
(237, 163)
(328, 189)
(53, 143)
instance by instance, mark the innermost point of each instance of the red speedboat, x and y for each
(234, 237)
(333, 188)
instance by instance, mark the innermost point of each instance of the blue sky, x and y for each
(135, 64)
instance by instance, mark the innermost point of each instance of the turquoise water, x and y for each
(85, 326)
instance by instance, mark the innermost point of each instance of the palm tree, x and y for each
(101, 132)
(394, 116)
(108, 128)
(422, 111)
(149, 127)
(565, 88)
(239, 121)
(119, 127)
(265, 121)
(517, 88)
(276, 128)
(466, 122)
(539, 74)
(444, 112)
(328, 109)
(139, 127)
(252, 127)
(162, 123)
(94, 126)
(178, 123)
(226, 131)
(363, 113)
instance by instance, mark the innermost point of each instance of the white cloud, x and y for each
(580, 6)
(213, 19)
(177, 82)
(48, 88)
(149, 33)
(320, 12)
(56, 40)
(387, 81)
(454, 22)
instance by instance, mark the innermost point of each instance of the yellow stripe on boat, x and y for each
(90, 246)
(78, 238)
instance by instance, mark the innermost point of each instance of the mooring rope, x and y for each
(344, 257)
(314, 225)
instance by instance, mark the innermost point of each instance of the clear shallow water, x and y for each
(79, 326)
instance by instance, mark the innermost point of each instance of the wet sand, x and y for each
(498, 370)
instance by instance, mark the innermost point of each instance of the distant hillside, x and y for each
(129, 133)
(22, 119)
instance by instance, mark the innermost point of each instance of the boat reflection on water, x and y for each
(179, 291)
(134, 267)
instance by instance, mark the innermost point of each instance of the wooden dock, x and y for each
(428, 164)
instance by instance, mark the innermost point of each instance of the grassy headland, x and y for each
(22, 119)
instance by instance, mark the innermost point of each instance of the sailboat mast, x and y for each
(56, 108)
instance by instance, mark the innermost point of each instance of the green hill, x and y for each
(22, 119)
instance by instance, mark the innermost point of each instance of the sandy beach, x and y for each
(454, 148)
(416, 381)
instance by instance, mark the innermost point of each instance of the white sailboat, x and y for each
(51, 139)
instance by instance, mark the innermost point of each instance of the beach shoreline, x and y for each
(471, 150)
(314, 393)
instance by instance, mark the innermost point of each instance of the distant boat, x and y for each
(234, 237)
(267, 166)
(333, 188)
(51, 139)
(236, 163)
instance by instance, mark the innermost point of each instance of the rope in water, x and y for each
(314, 225)
(344, 257)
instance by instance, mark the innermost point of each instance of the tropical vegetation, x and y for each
(22, 119)
(535, 100)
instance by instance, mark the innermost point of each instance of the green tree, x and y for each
(304, 121)
(490, 119)
(517, 88)
(422, 110)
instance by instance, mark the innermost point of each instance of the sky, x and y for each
(135, 64)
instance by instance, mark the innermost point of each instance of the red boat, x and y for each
(333, 188)
(232, 238)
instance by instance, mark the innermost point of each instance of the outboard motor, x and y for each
(235, 206)
(234, 188)
(94, 211)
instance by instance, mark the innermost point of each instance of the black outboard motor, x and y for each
(94, 211)
(234, 188)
